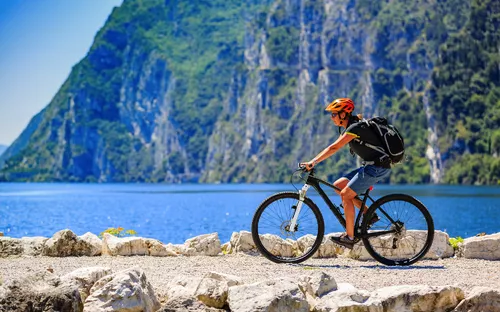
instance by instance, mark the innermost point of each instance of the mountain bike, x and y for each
(288, 227)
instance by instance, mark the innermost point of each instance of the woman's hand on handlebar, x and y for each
(308, 165)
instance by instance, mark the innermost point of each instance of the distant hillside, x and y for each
(234, 91)
(2, 148)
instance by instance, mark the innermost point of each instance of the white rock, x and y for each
(415, 298)
(482, 247)
(480, 299)
(94, 242)
(85, 278)
(156, 248)
(123, 246)
(242, 242)
(125, 291)
(213, 288)
(65, 243)
(276, 296)
(182, 288)
(10, 246)
(346, 296)
(317, 283)
(278, 246)
(33, 246)
(441, 247)
(203, 245)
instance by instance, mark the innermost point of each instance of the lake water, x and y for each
(174, 213)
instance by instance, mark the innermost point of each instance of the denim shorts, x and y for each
(362, 178)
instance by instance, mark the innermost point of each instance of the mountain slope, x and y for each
(234, 92)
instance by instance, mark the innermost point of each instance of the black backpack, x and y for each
(392, 144)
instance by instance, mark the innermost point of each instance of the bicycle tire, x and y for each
(413, 244)
(260, 238)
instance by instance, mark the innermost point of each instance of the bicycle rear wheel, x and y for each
(411, 227)
(271, 231)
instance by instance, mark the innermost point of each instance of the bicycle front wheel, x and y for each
(404, 233)
(273, 236)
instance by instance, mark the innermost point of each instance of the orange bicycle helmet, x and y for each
(339, 105)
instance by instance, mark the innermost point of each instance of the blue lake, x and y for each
(174, 213)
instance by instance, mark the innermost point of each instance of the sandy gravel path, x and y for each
(369, 275)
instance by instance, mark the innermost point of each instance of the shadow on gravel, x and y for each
(381, 267)
(419, 267)
(326, 266)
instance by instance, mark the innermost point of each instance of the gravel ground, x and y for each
(369, 275)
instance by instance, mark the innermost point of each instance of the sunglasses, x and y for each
(334, 115)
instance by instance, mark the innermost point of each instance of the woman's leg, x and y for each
(348, 195)
(341, 184)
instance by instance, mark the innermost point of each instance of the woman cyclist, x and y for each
(374, 169)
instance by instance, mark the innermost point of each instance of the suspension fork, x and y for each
(302, 196)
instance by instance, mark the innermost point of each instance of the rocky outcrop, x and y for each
(127, 290)
(206, 245)
(65, 243)
(480, 299)
(213, 289)
(283, 295)
(43, 291)
(134, 246)
(260, 89)
(27, 246)
(85, 278)
(482, 247)
(98, 289)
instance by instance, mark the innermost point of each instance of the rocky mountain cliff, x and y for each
(230, 91)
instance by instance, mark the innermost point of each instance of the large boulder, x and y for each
(123, 246)
(33, 246)
(187, 305)
(41, 291)
(480, 299)
(85, 278)
(182, 287)
(345, 297)
(415, 298)
(278, 246)
(278, 296)
(65, 243)
(482, 247)
(203, 245)
(241, 242)
(94, 242)
(441, 247)
(317, 284)
(213, 289)
(10, 246)
(135, 246)
(125, 291)
(420, 298)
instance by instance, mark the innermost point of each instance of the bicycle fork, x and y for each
(302, 195)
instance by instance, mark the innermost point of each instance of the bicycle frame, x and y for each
(315, 183)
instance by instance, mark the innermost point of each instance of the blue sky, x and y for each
(40, 40)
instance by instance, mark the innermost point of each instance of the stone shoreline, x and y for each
(175, 275)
